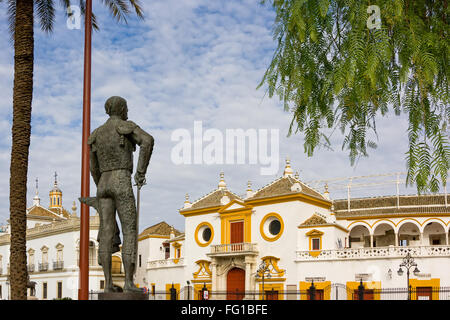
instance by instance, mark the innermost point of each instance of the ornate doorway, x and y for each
(236, 284)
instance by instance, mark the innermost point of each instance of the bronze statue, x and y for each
(111, 164)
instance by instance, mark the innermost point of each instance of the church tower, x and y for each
(55, 196)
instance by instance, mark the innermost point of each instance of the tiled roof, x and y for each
(39, 211)
(59, 211)
(409, 204)
(314, 220)
(160, 229)
(282, 186)
(212, 199)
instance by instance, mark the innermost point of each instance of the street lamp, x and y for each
(408, 263)
(188, 289)
(261, 272)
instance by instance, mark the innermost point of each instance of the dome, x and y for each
(55, 195)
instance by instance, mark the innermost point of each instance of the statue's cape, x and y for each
(93, 202)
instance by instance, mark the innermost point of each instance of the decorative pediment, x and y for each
(314, 220)
(59, 246)
(234, 206)
(203, 272)
(314, 233)
(44, 249)
(176, 244)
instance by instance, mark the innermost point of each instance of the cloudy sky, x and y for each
(189, 60)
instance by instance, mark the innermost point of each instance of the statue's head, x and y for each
(117, 106)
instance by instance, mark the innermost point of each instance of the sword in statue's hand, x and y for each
(138, 206)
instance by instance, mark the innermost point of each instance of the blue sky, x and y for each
(189, 60)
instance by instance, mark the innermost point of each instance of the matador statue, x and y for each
(111, 164)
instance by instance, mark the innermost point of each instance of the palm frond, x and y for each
(45, 11)
(11, 12)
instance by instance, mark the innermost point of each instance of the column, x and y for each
(213, 276)
(248, 274)
(396, 239)
(371, 240)
(422, 242)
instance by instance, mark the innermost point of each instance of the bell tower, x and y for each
(55, 195)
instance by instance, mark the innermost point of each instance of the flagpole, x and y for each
(83, 289)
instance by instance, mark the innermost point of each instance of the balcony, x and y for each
(165, 263)
(30, 268)
(375, 253)
(233, 249)
(58, 265)
(43, 266)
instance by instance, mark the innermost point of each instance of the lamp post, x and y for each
(408, 263)
(261, 272)
(83, 289)
(188, 289)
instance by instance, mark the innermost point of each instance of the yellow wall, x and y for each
(169, 286)
(198, 288)
(268, 287)
(304, 286)
(353, 285)
(434, 283)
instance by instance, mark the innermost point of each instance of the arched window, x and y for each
(409, 234)
(359, 237)
(383, 235)
(92, 253)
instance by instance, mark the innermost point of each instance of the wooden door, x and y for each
(235, 284)
(424, 293)
(368, 294)
(236, 235)
(271, 295)
(319, 295)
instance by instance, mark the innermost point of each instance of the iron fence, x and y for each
(332, 292)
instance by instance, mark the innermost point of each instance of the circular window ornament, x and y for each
(204, 234)
(272, 227)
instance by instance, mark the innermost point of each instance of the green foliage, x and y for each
(332, 71)
(45, 11)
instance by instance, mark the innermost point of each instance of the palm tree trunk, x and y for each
(21, 130)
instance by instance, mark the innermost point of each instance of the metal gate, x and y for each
(338, 291)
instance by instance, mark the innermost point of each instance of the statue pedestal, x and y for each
(122, 296)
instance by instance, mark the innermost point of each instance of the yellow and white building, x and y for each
(53, 235)
(300, 235)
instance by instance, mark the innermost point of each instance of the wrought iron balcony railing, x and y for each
(58, 265)
(43, 266)
(30, 268)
